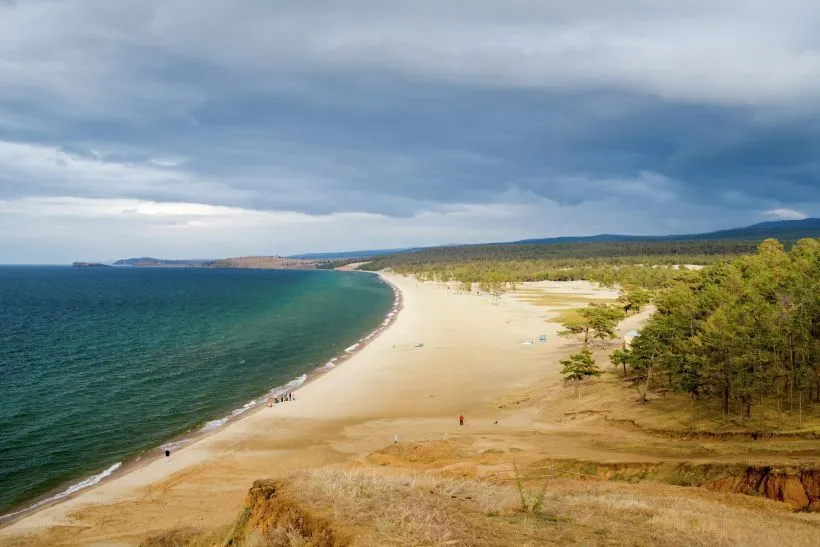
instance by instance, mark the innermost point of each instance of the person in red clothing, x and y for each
(461, 420)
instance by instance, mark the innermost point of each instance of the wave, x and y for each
(90, 481)
(216, 424)
(173, 446)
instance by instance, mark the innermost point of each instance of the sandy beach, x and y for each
(474, 354)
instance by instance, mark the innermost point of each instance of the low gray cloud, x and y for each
(784, 214)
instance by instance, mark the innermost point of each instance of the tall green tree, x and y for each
(634, 299)
(597, 322)
(579, 367)
(620, 358)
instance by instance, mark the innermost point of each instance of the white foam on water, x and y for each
(90, 481)
(245, 408)
(214, 424)
(290, 385)
(352, 348)
(173, 446)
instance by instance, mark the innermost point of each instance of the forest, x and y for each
(650, 264)
(744, 332)
(661, 252)
(500, 275)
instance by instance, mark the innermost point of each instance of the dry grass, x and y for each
(187, 537)
(673, 516)
(422, 455)
(377, 508)
(406, 509)
(374, 507)
(565, 304)
(544, 298)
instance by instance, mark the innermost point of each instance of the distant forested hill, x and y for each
(724, 242)
(145, 261)
(669, 252)
(791, 230)
(349, 254)
(691, 249)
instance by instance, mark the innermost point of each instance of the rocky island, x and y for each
(89, 265)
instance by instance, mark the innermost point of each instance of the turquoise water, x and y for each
(100, 365)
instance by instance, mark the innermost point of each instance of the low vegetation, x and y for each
(369, 507)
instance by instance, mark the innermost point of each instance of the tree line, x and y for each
(598, 322)
(745, 332)
(507, 274)
(625, 252)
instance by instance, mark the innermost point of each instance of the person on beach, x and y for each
(270, 403)
(167, 453)
(461, 420)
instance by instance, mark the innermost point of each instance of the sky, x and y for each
(205, 128)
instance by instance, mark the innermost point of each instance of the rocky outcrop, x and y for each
(271, 515)
(89, 265)
(798, 488)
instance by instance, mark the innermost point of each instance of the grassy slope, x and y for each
(376, 507)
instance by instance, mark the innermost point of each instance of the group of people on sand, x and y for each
(288, 396)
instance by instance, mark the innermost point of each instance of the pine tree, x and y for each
(597, 321)
(578, 367)
(634, 299)
(620, 358)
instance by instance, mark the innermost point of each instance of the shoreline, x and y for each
(471, 360)
(73, 488)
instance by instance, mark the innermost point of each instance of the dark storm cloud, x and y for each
(671, 114)
(426, 144)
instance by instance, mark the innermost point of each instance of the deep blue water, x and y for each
(98, 365)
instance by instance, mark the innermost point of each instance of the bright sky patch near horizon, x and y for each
(203, 128)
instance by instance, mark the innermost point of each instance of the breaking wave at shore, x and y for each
(275, 392)
(90, 481)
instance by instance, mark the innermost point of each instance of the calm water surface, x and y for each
(98, 365)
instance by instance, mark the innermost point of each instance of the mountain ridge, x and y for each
(787, 229)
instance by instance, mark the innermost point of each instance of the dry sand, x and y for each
(473, 355)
